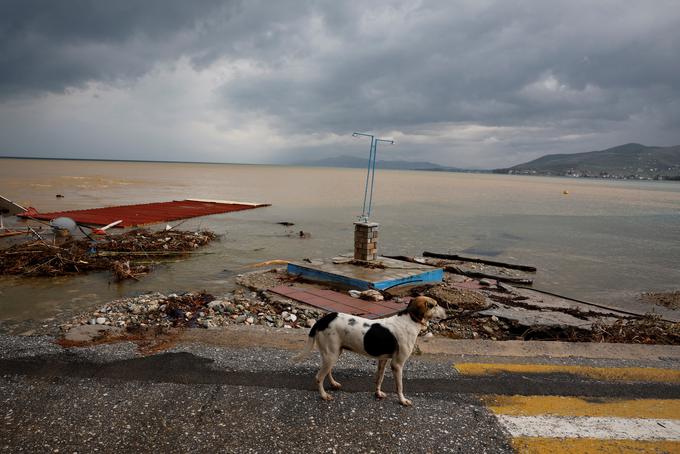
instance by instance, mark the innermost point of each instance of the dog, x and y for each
(391, 338)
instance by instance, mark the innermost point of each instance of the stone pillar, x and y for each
(366, 241)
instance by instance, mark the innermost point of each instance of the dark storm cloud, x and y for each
(536, 71)
(507, 63)
(52, 45)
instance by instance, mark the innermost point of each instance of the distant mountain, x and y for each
(629, 161)
(354, 162)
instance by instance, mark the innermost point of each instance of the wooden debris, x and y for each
(116, 253)
(461, 258)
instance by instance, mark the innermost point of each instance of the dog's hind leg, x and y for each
(396, 371)
(334, 383)
(328, 360)
(379, 375)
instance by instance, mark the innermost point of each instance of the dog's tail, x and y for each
(320, 325)
(309, 346)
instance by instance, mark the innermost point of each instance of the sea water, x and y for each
(598, 240)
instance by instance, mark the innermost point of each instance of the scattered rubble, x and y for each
(159, 313)
(670, 300)
(456, 298)
(516, 314)
(494, 311)
(127, 255)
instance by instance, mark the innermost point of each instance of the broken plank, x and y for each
(476, 274)
(461, 258)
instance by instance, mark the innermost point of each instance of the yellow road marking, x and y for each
(575, 406)
(526, 445)
(645, 374)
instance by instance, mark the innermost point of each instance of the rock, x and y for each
(240, 319)
(92, 321)
(372, 295)
(505, 287)
(100, 320)
(488, 329)
(285, 315)
(310, 322)
(429, 335)
(207, 323)
(269, 318)
(250, 320)
(279, 323)
(494, 318)
(453, 298)
(487, 282)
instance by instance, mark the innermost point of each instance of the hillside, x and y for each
(629, 161)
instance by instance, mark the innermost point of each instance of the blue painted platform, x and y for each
(390, 273)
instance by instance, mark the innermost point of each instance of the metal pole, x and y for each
(375, 152)
(364, 216)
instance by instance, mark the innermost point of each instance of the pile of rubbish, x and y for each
(159, 312)
(670, 300)
(491, 314)
(128, 255)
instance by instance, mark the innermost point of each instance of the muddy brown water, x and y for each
(605, 241)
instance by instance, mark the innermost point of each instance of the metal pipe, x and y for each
(363, 216)
(375, 152)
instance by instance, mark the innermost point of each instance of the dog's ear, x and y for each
(418, 308)
(431, 303)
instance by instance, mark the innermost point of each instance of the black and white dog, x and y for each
(389, 338)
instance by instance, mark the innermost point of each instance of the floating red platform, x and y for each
(146, 213)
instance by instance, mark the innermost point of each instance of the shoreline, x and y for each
(155, 321)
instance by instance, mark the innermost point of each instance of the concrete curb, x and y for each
(248, 337)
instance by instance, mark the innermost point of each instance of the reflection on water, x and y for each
(603, 241)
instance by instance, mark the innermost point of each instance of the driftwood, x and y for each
(477, 274)
(461, 258)
(118, 253)
(149, 253)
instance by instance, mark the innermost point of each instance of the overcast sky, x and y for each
(463, 83)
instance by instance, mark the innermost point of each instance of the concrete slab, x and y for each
(528, 317)
(382, 274)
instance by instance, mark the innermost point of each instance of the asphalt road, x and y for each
(205, 399)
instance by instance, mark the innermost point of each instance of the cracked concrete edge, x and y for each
(290, 339)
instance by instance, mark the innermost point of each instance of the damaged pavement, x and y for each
(476, 309)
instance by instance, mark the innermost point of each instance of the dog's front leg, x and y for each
(379, 375)
(396, 371)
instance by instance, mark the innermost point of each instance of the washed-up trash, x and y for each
(63, 225)
(120, 253)
(354, 293)
(372, 295)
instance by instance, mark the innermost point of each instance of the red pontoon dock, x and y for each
(146, 213)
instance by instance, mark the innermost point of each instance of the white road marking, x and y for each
(591, 427)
